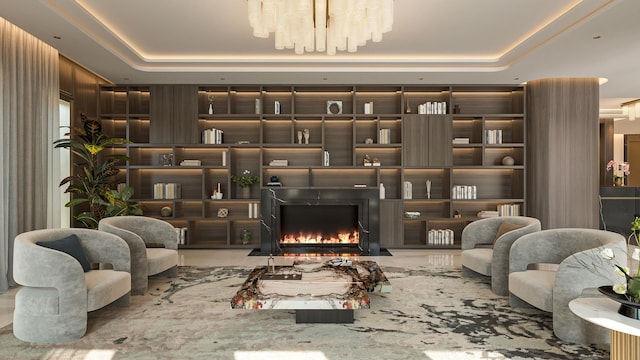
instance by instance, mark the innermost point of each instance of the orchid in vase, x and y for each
(616, 169)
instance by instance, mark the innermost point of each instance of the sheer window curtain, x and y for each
(29, 92)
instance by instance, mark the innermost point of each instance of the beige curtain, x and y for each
(29, 93)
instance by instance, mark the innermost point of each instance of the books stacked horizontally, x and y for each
(274, 183)
(384, 136)
(186, 162)
(459, 141)
(464, 192)
(493, 137)
(509, 209)
(487, 214)
(279, 162)
(212, 136)
(166, 191)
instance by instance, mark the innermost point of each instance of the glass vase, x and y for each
(633, 288)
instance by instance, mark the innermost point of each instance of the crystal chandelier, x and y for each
(308, 25)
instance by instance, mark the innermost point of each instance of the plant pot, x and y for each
(246, 192)
(633, 288)
(617, 182)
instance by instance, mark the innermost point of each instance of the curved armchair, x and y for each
(138, 232)
(550, 268)
(57, 293)
(484, 254)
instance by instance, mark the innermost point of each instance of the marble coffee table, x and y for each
(319, 292)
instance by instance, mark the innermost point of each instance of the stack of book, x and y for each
(459, 141)
(487, 214)
(190, 162)
(212, 136)
(277, 162)
(274, 183)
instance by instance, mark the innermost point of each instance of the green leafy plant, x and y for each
(90, 182)
(245, 180)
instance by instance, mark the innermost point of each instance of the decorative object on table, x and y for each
(508, 161)
(334, 107)
(224, 158)
(258, 106)
(276, 107)
(166, 211)
(368, 141)
(245, 236)
(245, 181)
(210, 98)
(618, 172)
(305, 134)
(383, 193)
(457, 214)
(627, 292)
(407, 107)
(367, 160)
(456, 109)
(300, 137)
(95, 191)
(223, 212)
(428, 184)
(375, 162)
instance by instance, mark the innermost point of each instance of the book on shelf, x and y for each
(190, 162)
(458, 141)
(384, 136)
(487, 214)
(493, 137)
(212, 136)
(279, 162)
(274, 183)
(464, 192)
(166, 191)
(509, 209)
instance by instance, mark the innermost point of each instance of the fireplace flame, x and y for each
(341, 238)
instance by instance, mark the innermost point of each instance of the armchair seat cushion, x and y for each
(478, 260)
(534, 287)
(161, 259)
(105, 286)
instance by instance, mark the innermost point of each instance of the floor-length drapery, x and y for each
(29, 92)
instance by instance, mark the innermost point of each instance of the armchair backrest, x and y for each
(485, 230)
(150, 230)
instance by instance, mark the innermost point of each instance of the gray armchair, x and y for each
(550, 268)
(139, 232)
(56, 292)
(481, 254)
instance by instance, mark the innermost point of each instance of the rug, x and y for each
(431, 314)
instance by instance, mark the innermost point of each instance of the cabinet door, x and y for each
(427, 140)
(174, 114)
(391, 226)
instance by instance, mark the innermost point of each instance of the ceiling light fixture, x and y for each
(631, 109)
(319, 25)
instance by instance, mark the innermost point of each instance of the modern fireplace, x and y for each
(324, 221)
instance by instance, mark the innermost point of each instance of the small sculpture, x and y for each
(305, 133)
(299, 137)
(367, 160)
(210, 97)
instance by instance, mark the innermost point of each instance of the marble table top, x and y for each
(603, 311)
(312, 285)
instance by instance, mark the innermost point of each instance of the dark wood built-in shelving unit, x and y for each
(170, 119)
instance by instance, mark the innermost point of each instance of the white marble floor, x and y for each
(404, 257)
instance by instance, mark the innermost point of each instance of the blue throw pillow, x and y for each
(70, 245)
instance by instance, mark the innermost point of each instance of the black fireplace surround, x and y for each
(274, 200)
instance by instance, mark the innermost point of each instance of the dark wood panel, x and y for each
(161, 113)
(185, 114)
(391, 225)
(415, 131)
(439, 140)
(562, 159)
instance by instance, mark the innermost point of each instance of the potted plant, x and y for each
(245, 181)
(90, 182)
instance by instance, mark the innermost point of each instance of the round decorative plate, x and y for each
(223, 212)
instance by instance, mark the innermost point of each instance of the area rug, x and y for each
(431, 314)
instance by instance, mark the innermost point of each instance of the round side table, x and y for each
(625, 331)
